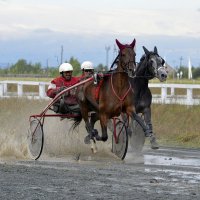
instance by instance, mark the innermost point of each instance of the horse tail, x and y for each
(77, 120)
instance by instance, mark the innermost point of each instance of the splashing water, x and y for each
(58, 139)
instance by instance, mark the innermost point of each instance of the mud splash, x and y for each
(59, 139)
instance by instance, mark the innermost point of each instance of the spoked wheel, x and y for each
(35, 139)
(120, 142)
(136, 136)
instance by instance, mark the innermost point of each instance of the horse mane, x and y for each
(142, 65)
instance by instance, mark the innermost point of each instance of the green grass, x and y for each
(177, 125)
(176, 81)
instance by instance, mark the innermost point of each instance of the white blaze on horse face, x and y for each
(158, 69)
(162, 74)
(154, 65)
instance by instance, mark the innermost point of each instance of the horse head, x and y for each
(154, 64)
(126, 57)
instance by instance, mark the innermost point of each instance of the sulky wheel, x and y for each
(136, 136)
(120, 140)
(35, 139)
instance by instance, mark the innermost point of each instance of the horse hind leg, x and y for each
(88, 125)
(89, 139)
(140, 121)
(92, 133)
(93, 118)
(89, 131)
(147, 119)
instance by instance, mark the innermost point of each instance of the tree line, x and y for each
(184, 70)
(25, 68)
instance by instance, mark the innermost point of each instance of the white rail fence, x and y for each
(167, 92)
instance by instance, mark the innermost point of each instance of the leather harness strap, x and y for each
(121, 99)
(98, 89)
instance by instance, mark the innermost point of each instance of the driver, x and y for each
(87, 68)
(68, 101)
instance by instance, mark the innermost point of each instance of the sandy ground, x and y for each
(68, 170)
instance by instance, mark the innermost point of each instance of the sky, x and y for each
(36, 30)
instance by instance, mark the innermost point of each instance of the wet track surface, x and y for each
(167, 173)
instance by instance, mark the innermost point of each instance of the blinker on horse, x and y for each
(116, 95)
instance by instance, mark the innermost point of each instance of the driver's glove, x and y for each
(60, 89)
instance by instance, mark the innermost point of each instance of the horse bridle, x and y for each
(152, 73)
(125, 66)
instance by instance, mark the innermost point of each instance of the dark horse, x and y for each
(116, 95)
(151, 65)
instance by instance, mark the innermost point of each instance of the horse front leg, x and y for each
(103, 122)
(93, 118)
(147, 119)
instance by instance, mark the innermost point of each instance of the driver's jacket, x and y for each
(58, 83)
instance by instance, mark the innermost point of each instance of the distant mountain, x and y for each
(45, 47)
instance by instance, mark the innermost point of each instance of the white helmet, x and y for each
(65, 67)
(87, 65)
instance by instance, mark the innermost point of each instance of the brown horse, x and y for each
(116, 95)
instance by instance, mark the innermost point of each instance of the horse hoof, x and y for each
(148, 133)
(98, 138)
(93, 147)
(154, 144)
(104, 139)
(96, 135)
(87, 139)
(94, 132)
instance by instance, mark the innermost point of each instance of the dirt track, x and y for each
(68, 170)
(160, 176)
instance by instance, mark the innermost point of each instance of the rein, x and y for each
(142, 77)
(114, 62)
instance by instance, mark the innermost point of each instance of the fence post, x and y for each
(163, 94)
(5, 88)
(20, 89)
(172, 91)
(42, 93)
(1, 89)
(189, 96)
